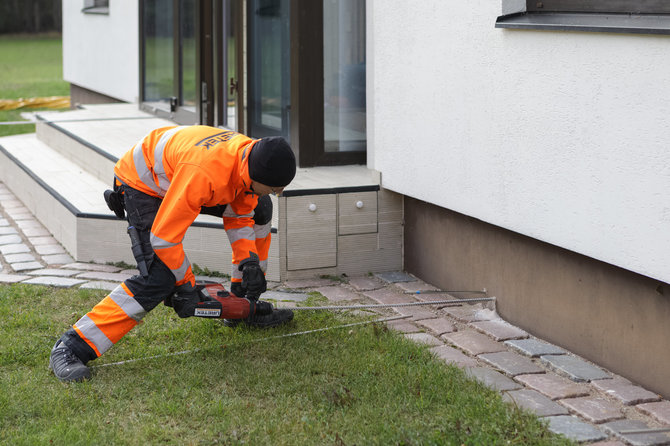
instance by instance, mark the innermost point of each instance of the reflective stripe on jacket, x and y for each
(190, 167)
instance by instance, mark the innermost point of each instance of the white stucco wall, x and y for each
(561, 136)
(101, 52)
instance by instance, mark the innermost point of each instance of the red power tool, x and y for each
(218, 303)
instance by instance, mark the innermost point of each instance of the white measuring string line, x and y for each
(287, 335)
(408, 304)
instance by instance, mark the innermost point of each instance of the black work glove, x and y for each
(253, 279)
(237, 290)
(185, 299)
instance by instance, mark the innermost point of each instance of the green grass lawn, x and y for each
(360, 385)
(31, 66)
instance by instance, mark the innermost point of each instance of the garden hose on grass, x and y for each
(44, 102)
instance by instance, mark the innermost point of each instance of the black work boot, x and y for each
(278, 317)
(66, 365)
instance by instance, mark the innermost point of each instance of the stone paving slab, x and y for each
(14, 248)
(10, 239)
(534, 347)
(100, 285)
(283, 296)
(22, 257)
(7, 230)
(454, 356)
(574, 368)
(365, 283)
(100, 275)
(338, 293)
(534, 401)
(403, 326)
(395, 277)
(645, 439)
(492, 379)
(4, 222)
(25, 266)
(499, 330)
(49, 249)
(57, 259)
(424, 338)
(473, 342)
(414, 286)
(432, 297)
(608, 443)
(471, 313)
(511, 363)
(553, 386)
(575, 429)
(63, 282)
(36, 241)
(54, 272)
(315, 282)
(92, 267)
(417, 313)
(439, 326)
(36, 232)
(659, 410)
(12, 278)
(594, 409)
(624, 391)
(388, 296)
(25, 224)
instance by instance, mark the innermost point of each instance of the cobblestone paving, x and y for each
(578, 399)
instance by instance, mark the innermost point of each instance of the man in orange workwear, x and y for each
(163, 183)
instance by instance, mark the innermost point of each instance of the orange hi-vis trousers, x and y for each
(122, 309)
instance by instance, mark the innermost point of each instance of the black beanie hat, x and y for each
(271, 162)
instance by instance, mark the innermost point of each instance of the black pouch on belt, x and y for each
(114, 200)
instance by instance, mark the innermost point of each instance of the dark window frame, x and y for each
(611, 16)
(96, 7)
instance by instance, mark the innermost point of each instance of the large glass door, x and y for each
(169, 59)
(269, 56)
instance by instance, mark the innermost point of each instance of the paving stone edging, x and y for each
(578, 399)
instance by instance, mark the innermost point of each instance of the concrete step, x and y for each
(96, 136)
(69, 202)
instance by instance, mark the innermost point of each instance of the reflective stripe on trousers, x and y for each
(110, 319)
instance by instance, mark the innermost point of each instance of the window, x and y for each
(620, 16)
(96, 7)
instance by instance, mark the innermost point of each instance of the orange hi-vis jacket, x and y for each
(189, 167)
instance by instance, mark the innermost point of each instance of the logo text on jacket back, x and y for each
(215, 139)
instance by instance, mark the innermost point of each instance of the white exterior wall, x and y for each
(561, 136)
(101, 52)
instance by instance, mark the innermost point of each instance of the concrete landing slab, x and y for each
(534, 401)
(574, 368)
(534, 348)
(575, 429)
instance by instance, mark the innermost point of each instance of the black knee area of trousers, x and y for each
(78, 346)
(263, 211)
(155, 288)
(141, 210)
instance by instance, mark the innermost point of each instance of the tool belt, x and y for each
(114, 200)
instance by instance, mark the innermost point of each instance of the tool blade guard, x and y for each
(217, 303)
